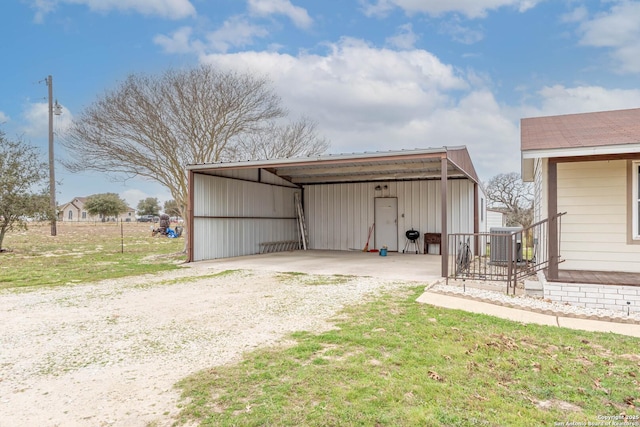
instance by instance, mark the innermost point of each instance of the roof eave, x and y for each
(581, 151)
(335, 158)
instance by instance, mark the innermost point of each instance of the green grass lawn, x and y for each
(84, 252)
(394, 362)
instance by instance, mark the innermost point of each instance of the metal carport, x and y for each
(236, 206)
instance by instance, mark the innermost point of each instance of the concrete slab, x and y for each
(394, 266)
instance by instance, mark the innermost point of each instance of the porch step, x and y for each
(533, 288)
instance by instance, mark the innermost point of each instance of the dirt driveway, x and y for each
(108, 354)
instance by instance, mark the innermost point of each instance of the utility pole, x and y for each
(52, 173)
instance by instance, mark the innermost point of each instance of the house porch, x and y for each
(596, 277)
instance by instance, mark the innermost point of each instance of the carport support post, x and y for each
(190, 184)
(443, 211)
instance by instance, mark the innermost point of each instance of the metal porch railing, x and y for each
(502, 257)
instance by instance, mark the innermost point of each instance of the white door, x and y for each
(386, 223)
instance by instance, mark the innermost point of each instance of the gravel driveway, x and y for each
(109, 353)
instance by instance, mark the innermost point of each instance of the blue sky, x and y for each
(375, 74)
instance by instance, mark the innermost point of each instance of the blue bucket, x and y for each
(383, 252)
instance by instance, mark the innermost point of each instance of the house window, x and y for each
(635, 199)
(70, 215)
(481, 209)
(84, 215)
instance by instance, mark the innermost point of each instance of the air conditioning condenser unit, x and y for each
(499, 245)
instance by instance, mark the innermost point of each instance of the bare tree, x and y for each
(282, 141)
(153, 126)
(510, 194)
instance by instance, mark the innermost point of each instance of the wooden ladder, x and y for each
(302, 225)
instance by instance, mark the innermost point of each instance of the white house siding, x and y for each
(594, 231)
(339, 215)
(240, 208)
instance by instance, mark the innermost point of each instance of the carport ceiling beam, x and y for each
(357, 169)
(366, 177)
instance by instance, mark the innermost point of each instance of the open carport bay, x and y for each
(394, 266)
(332, 203)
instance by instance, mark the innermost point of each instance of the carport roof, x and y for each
(358, 167)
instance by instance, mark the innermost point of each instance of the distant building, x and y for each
(74, 211)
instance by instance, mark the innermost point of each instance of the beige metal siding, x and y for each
(232, 217)
(339, 215)
(594, 231)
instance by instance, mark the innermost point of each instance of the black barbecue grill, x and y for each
(413, 238)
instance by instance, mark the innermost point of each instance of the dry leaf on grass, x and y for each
(435, 376)
(597, 386)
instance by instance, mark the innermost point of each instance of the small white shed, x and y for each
(495, 219)
(237, 208)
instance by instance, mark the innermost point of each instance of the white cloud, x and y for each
(298, 15)
(179, 42)
(235, 32)
(373, 84)
(381, 8)
(42, 8)
(172, 9)
(578, 14)
(3, 117)
(489, 131)
(559, 99)
(460, 33)
(133, 197)
(36, 118)
(368, 99)
(469, 8)
(404, 39)
(618, 29)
